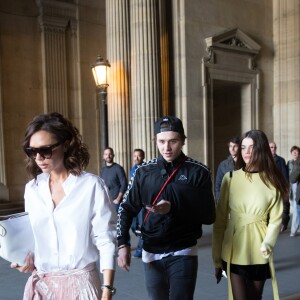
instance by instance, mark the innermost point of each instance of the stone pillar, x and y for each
(55, 19)
(2, 157)
(73, 74)
(4, 195)
(180, 65)
(145, 77)
(164, 56)
(286, 74)
(118, 97)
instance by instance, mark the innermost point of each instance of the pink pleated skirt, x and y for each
(77, 284)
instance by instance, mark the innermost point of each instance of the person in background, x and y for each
(226, 165)
(281, 165)
(138, 158)
(114, 177)
(248, 219)
(295, 153)
(72, 216)
(175, 193)
(279, 161)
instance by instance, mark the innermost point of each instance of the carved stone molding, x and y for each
(235, 42)
(58, 21)
(57, 13)
(232, 41)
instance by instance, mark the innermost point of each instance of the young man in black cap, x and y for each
(177, 194)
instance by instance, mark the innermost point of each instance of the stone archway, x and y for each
(231, 91)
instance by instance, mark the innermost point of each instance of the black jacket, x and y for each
(192, 204)
(224, 167)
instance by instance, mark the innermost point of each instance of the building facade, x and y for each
(223, 67)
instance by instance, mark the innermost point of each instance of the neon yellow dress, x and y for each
(248, 218)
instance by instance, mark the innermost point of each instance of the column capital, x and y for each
(56, 16)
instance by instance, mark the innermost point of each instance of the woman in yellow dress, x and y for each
(248, 219)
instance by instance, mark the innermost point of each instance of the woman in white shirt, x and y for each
(72, 216)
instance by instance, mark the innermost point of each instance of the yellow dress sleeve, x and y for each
(273, 229)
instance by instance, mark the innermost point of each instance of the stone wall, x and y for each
(25, 81)
(24, 84)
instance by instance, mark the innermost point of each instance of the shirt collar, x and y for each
(68, 184)
(172, 164)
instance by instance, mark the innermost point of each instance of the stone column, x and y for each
(164, 56)
(73, 75)
(145, 77)
(55, 18)
(118, 97)
(4, 195)
(2, 157)
(286, 74)
(180, 66)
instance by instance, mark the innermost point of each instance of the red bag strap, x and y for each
(165, 184)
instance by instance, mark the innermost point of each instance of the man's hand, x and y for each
(116, 201)
(162, 207)
(28, 266)
(124, 258)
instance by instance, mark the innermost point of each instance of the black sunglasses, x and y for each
(45, 151)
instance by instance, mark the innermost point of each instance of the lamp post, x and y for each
(100, 72)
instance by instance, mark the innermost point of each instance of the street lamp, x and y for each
(100, 72)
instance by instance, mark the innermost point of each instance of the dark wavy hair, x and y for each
(263, 162)
(76, 156)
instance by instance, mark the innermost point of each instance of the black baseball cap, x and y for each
(168, 123)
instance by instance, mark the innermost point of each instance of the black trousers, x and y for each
(171, 278)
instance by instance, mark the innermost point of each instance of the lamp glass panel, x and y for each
(100, 75)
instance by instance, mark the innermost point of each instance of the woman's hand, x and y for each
(106, 294)
(124, 258)
(265, 252)
(28, 266)
(218, 274)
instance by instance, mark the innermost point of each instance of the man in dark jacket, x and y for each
(138, 158)
(281, 165)
(280, 161)
(172, 222)
(227, 165)
(114, 177)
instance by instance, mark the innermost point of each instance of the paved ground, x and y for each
(130, 285)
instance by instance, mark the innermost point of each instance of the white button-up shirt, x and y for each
(72, 234)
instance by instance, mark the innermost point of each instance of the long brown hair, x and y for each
(263, 162)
